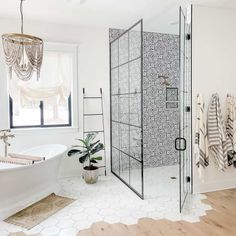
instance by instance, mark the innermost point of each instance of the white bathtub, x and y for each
(21, 186)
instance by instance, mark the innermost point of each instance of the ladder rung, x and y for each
(92, 97)
(94, 131)
(100, 114)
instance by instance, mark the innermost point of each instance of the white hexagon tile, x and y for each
(111, 201)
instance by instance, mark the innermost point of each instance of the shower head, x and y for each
(164, 80)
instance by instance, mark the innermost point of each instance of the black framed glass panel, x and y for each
(126, 78)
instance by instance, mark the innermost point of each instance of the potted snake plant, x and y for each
(86, 153)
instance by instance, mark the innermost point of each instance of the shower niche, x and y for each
(145, 110)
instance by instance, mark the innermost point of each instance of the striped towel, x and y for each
(201, 146)
(231, 127)
(219, 143)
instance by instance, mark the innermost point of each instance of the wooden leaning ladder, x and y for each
(101, 116)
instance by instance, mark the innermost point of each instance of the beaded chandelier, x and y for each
(23, 53)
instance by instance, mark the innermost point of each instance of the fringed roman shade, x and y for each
(54, 85)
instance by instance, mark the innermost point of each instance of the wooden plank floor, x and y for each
(221, 221)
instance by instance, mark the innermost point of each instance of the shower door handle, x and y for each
(178, 142)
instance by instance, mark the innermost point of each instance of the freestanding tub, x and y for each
(21, 186)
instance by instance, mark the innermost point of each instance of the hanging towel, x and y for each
(219, 143)
(231, 127)
(201, 146)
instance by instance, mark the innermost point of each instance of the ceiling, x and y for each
(157, 14)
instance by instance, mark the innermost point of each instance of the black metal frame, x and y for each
(141, 195)
(42, 125)
(181, 138)
(180, 158)
(191, 97)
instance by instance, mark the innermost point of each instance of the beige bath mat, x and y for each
(40, 211)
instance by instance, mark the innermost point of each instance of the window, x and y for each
(46, 102)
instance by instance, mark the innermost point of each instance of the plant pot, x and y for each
(90, 174)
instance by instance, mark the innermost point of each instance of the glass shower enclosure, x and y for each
(126, 73)
(130, 70)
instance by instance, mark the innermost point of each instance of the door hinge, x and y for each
(188, 36)
(188, 108)
(188, 179)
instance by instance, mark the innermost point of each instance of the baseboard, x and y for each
(216, 186)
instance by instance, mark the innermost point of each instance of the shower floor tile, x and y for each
(161, 181)
(111, 201)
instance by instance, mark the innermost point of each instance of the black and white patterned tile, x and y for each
(160, 117)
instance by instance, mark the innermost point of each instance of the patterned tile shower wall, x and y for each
(160, 110)
(160, 127)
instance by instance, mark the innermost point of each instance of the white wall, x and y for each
(93, 73)
(214, 70)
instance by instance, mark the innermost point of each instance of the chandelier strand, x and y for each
(22, 16)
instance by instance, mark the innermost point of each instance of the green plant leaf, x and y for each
(73, 152)
(94, 144)
(83, 158)
(85, 143)
(97, 148)
(97, 158)
(90, 137)
(87, 149)
(93, 161)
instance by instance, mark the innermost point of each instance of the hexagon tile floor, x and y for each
(111, 201)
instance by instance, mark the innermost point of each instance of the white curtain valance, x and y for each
(54, 84)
